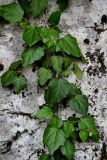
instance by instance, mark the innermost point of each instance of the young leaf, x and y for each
(37, 7)
(54, 18)
(31, 35)
(44, 157)
(63, 4)
(19, 84)
(83, 135)
(8, 78)
(56, 122)
(87, 123)
(66, 72)
(44, 113)
(77, 71)
(68, 128)
(58, 89)
(57, 62)
(12, 12)
(16, 65)
(69, 45)
(53, 138)
(32, 54)
(44, 75)
(79, 104)
(49, 37)
(67, 62)
(68, 150)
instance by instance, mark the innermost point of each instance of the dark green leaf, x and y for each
(83, 135)
(49, 36)
(57, 62)
(12, 12)
(56, 122)
(37, 7)
(24, 5)
(53, 138)
(54, 18)
(31, 35)
(30, 55)
(63, 4)
(67, 62)
(44, 113)
(74, 90)
(44, 75)
(87, 124)
(79, 104)
(16, 65)
(19, 84)
(8, 78)
(77, 71)
(68, 150)
(69, 45)
(44, 157)
(68, 128)
(58, 89)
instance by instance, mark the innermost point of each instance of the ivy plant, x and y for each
(53, 55)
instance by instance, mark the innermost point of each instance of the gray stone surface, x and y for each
(20, 135)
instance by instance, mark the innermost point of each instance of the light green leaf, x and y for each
(67, 62)
(83, 135)
(78, 72)
(37, 7)
(44, 75)
(54, 18)
(66, 72)
(68, 128)
(69, 45)
(87, 124)
(19, 84)
(53, 138)
(44, 157)
(49, 37)
(79, 104)
(31, 35)
(58, 89)
(30, 55)
(12, 12)
(68, 150)
(8, 78)
(57, 62)
(44, 113)
(56, 122)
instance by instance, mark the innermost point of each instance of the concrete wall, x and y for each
(20, 135)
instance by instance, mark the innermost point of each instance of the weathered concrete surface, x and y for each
(20, 135)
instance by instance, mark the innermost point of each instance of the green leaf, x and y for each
(63, 4)
(57, 62)
(12, 12)
(24, 5)
(68, 128)
(74, 90)
(44, 157)
(56, 122)
(69, 45)
(67, 62)
(44, 113)
(23, 24)
(87, 124)
(68, 150)
(32, 54)
(37, 7)
(54, 18)
(79, 104)
(66, 72)
(49, 37)
(53, 138)
(44, 75)
(31, 35)
(77, 71)
(16, 65)
(83, 135)
(58, 89)
(19, 84)
(8, 78)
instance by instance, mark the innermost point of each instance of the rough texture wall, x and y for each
(20, 135)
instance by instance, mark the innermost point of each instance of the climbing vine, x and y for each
(52, 53)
